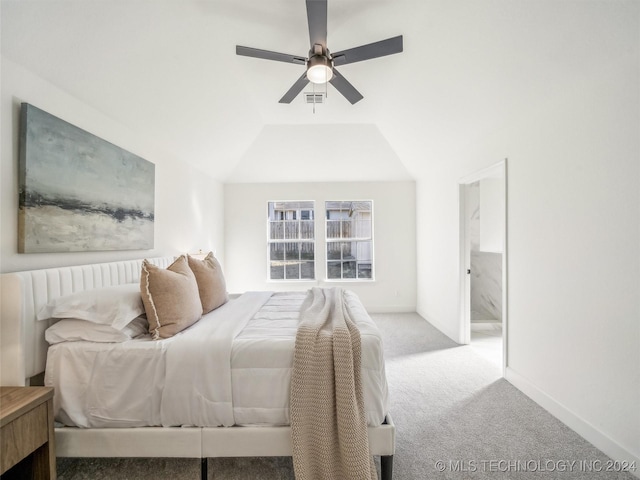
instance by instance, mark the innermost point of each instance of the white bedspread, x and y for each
(233, 367)
(197, 389)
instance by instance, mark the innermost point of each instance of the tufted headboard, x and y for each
(23, 349)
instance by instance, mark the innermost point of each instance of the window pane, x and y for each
(346, 230)
(364, 251)
(307, 251)
(333, 229)
(276, 271)
(349, 270)
(364, 270)
(348, 250)
(334, 251)
(292, 270)
(337, 206)
(291, 229)
(363, 225)
(292, 251)
(306, 229)
(307, 271)
(276, 230)
(334, 270)
(276, 251)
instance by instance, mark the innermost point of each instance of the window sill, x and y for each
(349, 280)
(292, 281)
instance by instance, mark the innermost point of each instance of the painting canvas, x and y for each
(79, 192)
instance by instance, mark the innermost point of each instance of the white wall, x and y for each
(188, 210)
(394, 288)
(573, 250)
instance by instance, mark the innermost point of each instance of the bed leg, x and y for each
(386, 467)
(203, 469)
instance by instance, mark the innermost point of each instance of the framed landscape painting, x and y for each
(78, 192)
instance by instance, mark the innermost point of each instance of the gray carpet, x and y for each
(455, 418)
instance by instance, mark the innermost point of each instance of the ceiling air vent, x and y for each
(312, 97)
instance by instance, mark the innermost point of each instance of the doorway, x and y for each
(483, 255)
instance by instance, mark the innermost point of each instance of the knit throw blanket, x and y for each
(328, 424)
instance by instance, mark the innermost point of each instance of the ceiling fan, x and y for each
(321, 63)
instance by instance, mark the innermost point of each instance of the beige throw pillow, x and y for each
(170, 297)
(211, 283)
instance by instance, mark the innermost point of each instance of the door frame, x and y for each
(464, 333)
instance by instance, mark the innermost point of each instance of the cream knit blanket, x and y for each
(328, 424)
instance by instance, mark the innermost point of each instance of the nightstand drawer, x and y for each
(23, 435)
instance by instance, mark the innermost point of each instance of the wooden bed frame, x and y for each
(23, 353)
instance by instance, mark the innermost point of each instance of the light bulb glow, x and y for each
(319, 69)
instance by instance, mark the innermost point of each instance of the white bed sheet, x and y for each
(145, 382)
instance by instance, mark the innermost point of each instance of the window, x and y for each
(349, 240)
(291, 248)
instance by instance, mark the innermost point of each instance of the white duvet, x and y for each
(232, 367)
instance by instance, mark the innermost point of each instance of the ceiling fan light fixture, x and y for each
(319, 69)
(320, 62)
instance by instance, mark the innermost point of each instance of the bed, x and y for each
(24, 350)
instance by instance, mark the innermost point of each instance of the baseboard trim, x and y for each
(583, 428)
(390, 309)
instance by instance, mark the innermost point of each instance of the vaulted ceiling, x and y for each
(167, 69)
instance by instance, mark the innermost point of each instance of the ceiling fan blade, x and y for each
(317, 19)
(369, 51)
(268, 55)
(295, 89)
(345, 88)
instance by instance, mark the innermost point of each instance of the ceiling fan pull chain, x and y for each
(326, 89)
(314, 97)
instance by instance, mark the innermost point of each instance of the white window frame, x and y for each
(354, 239)
(299, 240)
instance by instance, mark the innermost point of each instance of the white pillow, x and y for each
(113, 306)
(72, 330)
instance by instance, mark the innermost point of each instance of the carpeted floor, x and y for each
(455, 417)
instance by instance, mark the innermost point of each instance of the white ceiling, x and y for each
(168, 70)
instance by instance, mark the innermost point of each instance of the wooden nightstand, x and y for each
(27, 445)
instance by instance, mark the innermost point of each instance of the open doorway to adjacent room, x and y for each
(483, 254)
